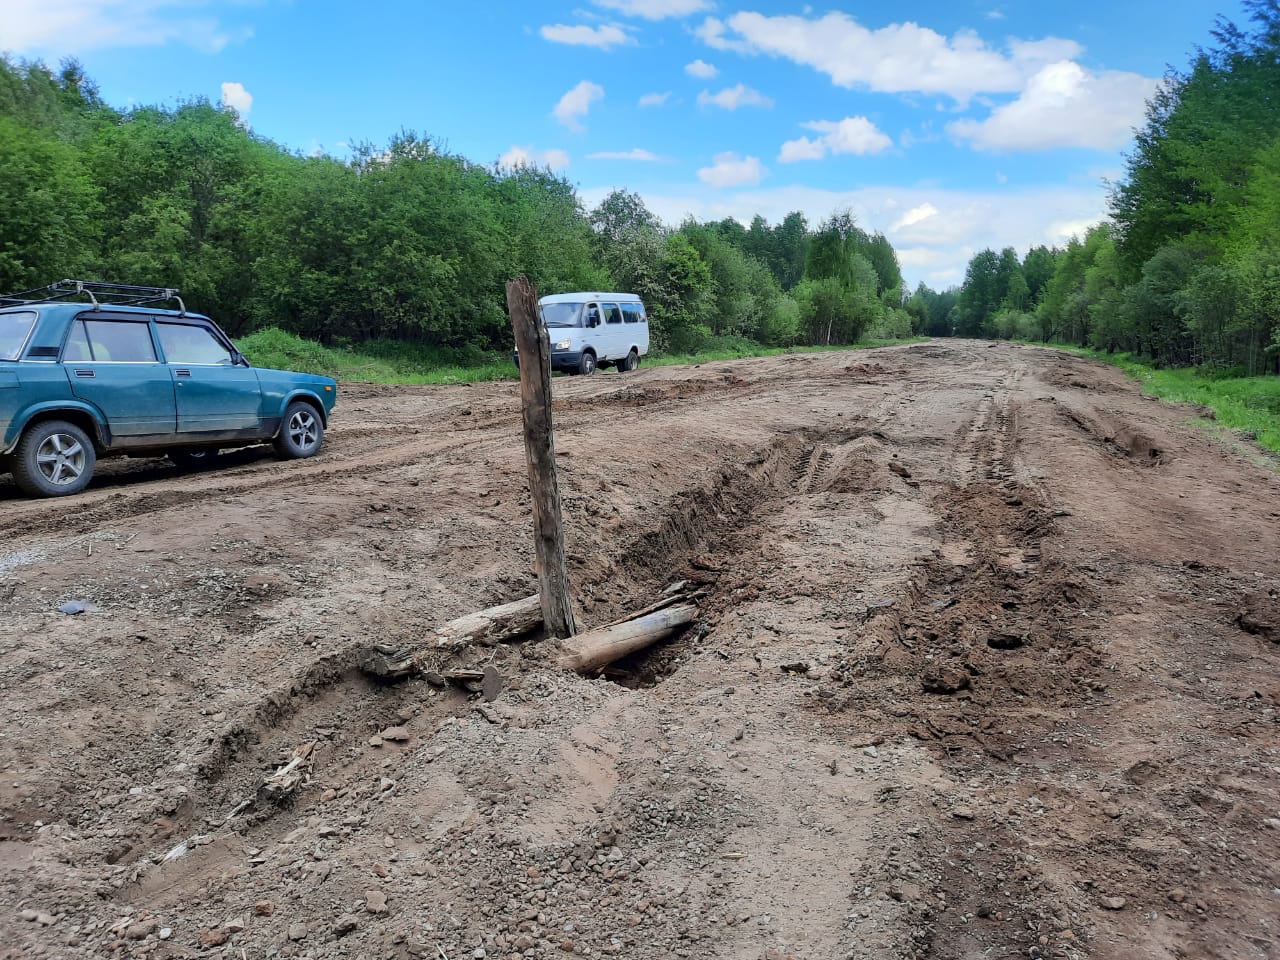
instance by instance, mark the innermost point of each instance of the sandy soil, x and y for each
(987, 668)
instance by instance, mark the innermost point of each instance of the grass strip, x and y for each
(391, 362)
(1248, 405)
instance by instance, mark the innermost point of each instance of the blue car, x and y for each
(125, 374)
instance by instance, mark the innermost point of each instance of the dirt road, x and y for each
(988, 668)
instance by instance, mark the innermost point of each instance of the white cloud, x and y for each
(519, 156)
(731, 98)
(731, 170)
(235, 96)
(575, 104)
(802, 149)
(655, 9)
(647, 156)
(1064, 105)
(580, 35)
(915, 215)
(856, 135)
(898, 58)
(654, 99)
(68, 27)
(935, 249)
(700, 68)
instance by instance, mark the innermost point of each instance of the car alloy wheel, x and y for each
(61, 459)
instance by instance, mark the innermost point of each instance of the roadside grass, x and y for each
(392, 362)
(1248, 405)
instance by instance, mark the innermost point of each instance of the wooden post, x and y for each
(540, 450)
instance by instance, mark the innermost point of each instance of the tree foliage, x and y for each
(1187, 272)
(405, 241)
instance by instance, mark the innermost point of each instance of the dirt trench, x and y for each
(986, 666)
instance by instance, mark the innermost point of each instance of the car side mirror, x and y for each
(240, 360)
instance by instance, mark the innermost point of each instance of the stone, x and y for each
(344, 925)
(375, 741)
(396, 734)
(490, 683)
(1113, 903)
(214, 937)
(944, 679)
(962, 813)
(375, 901)
(298, 931)
(904, 891)
(142, 929)
(235, 924)
(165, 933)
(1177, 895)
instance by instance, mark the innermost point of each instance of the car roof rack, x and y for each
(112, 294)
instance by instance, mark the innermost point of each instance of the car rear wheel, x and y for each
(302, 433)
(194, 459)
(53, 459)
(629, 363)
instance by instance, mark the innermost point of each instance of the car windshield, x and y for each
(14, 328)
(561, 314)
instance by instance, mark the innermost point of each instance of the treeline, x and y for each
(1187, 271)
(406, 242)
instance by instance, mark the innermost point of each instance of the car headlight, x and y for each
(561, 345)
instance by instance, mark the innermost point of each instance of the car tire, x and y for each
(53, 459)
(194, 458)
(587, 365)
(629, 363)
(301, 432)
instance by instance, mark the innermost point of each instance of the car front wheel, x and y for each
(302, 433)
(588, 364)
(53, 459)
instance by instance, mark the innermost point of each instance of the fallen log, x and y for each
(485, 627)
(590, 651)
(493, 625)
(670, 600)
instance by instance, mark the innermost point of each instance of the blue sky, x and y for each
(948, 126)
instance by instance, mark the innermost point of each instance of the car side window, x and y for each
(611, 313)
(120, 341)
(77, 348)
(632, 313)
(186, 343)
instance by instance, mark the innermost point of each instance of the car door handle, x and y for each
(182, 373)
(85, 373)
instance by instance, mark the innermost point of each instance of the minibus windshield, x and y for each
(562, 314)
